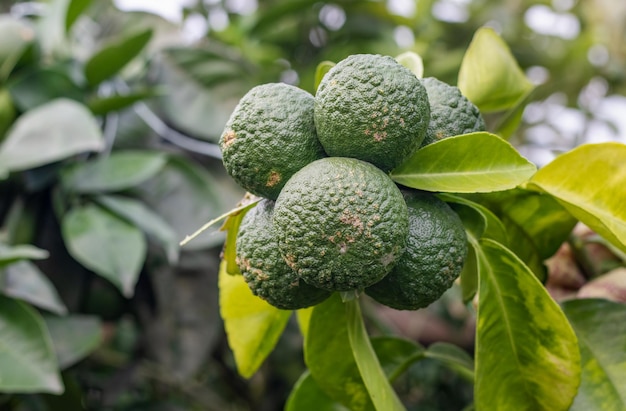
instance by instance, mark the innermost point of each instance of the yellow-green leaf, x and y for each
(489, 75)
(252, 325)
(527, 355)
(590, 182)
(413, 62)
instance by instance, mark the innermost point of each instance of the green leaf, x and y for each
(186, 196)
(119, 171)
(469, 273)
(526, 352)
(38, 87)
(330, 358)
(472, 163)
(105, 105)
(74, 10)
(17, 36)
(452, 356)
(494, 228)
(378, 386)
(308, 396)
(252, 325)
(12, 254)
(303, 316)
(26, 354)
(589, 182)
(321, 70)
(74, 337)
(48, 133)
(137, 213)
(105, 244)
(112, 58)
(413, 62)
(601, 329)
(23, 280)
(489, 75)
(231, 226)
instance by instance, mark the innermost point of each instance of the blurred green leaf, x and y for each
(147, 220)
(118, 171)
(105, 105)
(73, 337)
(252, 325)
(476, 162)
(25, 281)
(14, 253)
(526, 352)
(39, 86)
(321, 70)
(601, 329)
(452, 356)
(413, 62)
(231, 226)
(469, 273)
(378, 386)
(105, 244)
(51, 132)
(186, 196)
(26, 354)
(17, 36)
(589, 182)
(489, 75)
(7, 112)
(74, 10)
(109, 60)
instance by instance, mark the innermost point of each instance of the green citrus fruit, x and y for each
(433, 259)
(341, 223)
(372, 108)
(264, 269)
(451, 113)
(269, 136)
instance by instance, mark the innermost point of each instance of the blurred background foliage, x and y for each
(153, 340)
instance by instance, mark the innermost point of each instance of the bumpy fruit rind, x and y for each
(451, 113)
(264, 269)
(433, 259)
(269, 136)
(341, 223)
(372, 108)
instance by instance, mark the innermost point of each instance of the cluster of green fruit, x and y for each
(331, 218)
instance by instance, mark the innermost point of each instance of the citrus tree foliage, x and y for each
(97, 188)
(527, 353)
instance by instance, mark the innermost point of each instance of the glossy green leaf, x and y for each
(112, 58)
(105, 105)
(11, 254)
(469, 273)
(231, 226)
(476, 162)
(23, 280)
(119, 171)
(74, 337)
(413, 62)
(494, 228)
(452, 356)
(395, 355)
(527, 354)
(308, 396)
(252, 325)
(321, 70)
(378, 386)
(51, 132)
(489, 75)
(601, 329)
(137, 213)
(589, 182)
(39, 86)
(105, 244)
(329, 356)
(26, 353)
